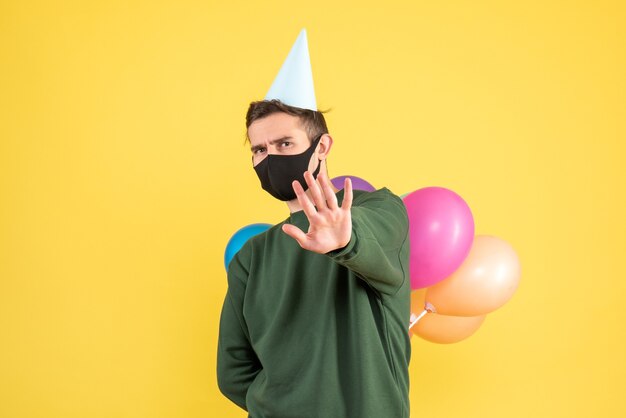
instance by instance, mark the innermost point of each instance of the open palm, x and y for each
(330, 226)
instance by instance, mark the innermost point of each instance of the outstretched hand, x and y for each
(330, 226)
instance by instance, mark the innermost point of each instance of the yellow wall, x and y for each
(123, 175)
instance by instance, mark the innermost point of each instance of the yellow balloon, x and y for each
(485, 281)
(440, 329)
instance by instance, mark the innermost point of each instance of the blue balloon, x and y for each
(239, 238)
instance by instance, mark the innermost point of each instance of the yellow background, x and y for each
(123, 175)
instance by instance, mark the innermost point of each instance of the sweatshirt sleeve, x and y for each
(378, 250)
(237, 363)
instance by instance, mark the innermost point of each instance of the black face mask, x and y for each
(277, 172)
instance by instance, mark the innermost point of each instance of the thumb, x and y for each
(295, 233)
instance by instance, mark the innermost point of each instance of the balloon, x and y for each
(438, 328)
(441, 231)
(239, 238)
(357, 183)
(484, 282)
(445, 329)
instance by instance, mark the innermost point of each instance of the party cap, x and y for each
(294, 83)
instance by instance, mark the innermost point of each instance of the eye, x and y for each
(259, 150)
(285, 143)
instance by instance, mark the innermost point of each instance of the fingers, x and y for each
(347, 194)
(316, 192)
(322, 195)
(329, 194)
(304, 201)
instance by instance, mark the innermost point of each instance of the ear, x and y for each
(326, 143)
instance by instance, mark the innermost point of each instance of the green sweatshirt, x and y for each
(321, 335)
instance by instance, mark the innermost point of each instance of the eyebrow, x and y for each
(273, 141)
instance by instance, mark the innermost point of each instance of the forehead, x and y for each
(275, 126)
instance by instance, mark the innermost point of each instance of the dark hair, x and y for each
(312, 121)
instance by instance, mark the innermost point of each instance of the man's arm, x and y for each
(379, 243)
(237, 363)
(370, 239)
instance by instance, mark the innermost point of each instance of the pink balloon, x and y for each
(441, 232)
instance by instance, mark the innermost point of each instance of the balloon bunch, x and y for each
(456, 278)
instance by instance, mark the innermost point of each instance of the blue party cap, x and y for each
(294, 83)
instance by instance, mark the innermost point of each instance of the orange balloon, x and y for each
(437, 328)
(444, 329)
(485, 280)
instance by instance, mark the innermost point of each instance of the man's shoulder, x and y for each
(254, 241)
(260, 239)
(257, 242)
(382, 194)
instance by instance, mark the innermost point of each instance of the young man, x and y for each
(315, 320)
